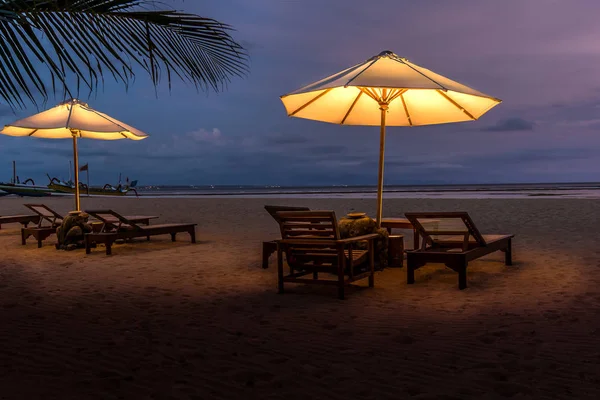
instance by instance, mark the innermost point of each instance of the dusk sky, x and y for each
(541, 57)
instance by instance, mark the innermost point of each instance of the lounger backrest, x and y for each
(45, 213)
(442, 226)
(273, 210)
(112, 220)
(309, 238)
(317, 225)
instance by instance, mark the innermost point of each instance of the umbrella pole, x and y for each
(76, 171)
(383, 108)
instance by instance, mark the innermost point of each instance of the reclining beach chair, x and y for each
(20, 219)
(116, 226)
(45, 213)
(311, 243)
(453, 241)
(41, 231)
(270, 247)
(54, 220)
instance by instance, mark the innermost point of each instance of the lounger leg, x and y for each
(193, 235)
(266, 253)
(462, 275)
(410, 270)
(108, 247)
(86, 241)
(371, 263)
(279, 269)
(39, 240)
(148, 238)
(268, 248)
(23, 237)
(508, 253)
(341, 265)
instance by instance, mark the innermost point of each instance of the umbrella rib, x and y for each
(461, 108)
(357, 75)
(419, 72)
(107, 118)
(398, 93)
(370, 93)
(34, 131)
(69, 117)
(302, 107)
(351, 107)
(406, 108)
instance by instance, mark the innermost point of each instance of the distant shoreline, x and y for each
(482, 191)
(583, 190)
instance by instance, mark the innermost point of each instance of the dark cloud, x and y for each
(541, 68)
(169, 157)
(532, 156)
(5, 111)
(286, 139)
(511, 124)
(324, 150)
(250, 45)
(68, 152)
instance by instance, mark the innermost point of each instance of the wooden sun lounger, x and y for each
(116, 226)
(270, 247)
(311, 243)
(453, 246)
(53, 220)
(41, 231)
(45, 213)
(20, 219)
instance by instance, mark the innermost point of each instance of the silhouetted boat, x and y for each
(25, 189)
(106, 190)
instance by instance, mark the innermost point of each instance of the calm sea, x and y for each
(529, 190)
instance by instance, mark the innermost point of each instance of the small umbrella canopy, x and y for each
(387, 90)
(71, 120)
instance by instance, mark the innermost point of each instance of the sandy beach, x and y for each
(162, 320)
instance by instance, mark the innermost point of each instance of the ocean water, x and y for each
(529, 190)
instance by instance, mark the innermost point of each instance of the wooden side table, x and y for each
(268, 248)
(39, 234)
(403, 223)
(396, 251)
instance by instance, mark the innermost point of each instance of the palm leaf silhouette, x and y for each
(66, 45)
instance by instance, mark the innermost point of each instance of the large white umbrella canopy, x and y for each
(387, 90)
(71, 120)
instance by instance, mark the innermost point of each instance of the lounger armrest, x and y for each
(370, 236)
(318, 242)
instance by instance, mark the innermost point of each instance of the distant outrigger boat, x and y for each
(57, 187)
(24, 189)
(106, 190)
(27, 188)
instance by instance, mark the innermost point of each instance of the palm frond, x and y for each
(85, 40)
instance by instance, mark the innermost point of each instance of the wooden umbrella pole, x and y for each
(76, 171)
(383, 107)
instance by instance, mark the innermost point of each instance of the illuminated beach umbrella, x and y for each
(71, 120)
(387, 90)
